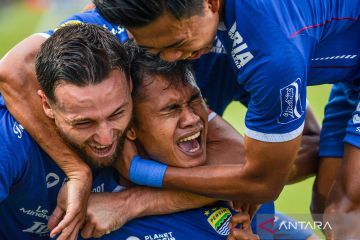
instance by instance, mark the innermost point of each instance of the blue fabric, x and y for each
(30, 182)
(286, 228)
(93, 17)
(342, 120)
(147, 172)
(288, 45)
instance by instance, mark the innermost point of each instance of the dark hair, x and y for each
(79, 54)
(139, 13)
(145, 66)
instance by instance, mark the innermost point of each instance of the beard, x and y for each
(79, 149)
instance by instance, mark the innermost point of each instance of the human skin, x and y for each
(18, 85)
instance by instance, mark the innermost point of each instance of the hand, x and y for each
(70, 211)
(106, 212)
(244, 232)
(123, 165)
(250, 209)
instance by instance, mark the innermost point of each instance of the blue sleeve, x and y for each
(14, 152)
(273, 70)
(94, 17)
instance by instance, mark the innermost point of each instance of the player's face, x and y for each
(175, 39)
(171, 123)
(93, 118)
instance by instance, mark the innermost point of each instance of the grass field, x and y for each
(17, 22)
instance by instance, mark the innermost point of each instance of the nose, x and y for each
(189, 118)
(104, 135)
(171, 55)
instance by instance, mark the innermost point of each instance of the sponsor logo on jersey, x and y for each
(218, 47)
(99, 188)
(356, 119)
(18, 130)
(160, 236)
(291, 108)
(52, 180)
(39, 212)
(240, 52)
(38, 228)
(219, 219)
(133, 238)
(115, 31)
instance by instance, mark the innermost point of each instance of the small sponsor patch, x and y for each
(219, 219)
(291, 108)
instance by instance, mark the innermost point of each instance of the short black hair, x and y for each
(79, 54)
(140, 13)
(146, 66)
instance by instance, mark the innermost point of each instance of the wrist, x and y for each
(147, 172)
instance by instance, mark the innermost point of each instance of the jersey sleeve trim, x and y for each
(211, 116)
(274, 137)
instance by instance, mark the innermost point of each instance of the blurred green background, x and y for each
(19, 19)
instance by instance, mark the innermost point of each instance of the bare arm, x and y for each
(259, 179)
(343, 204)
(18, 85)
(109, 211)
(307, 160)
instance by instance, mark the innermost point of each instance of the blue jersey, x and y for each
(30, 182)
(287, 46)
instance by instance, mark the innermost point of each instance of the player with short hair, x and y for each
(90, 104)
(25, 51)
(276, 48)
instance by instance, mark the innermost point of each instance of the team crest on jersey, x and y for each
(291, 108)
(69, 23)
(219, 219)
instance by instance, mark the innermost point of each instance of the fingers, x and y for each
(70, 233)
(240, 234)
(240, 218)
(88, 230)
(68, 220)
(55, 217)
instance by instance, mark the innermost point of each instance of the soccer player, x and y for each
(277, 48)
(14, 83)
(90, 104)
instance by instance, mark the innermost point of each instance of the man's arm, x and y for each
(225, 177)
(307, 161)
(343, 204)
(260, 179)
(18, 85)
(109, 211)
(252, 181)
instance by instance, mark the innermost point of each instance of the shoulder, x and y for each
(13, 137)
(93, 17)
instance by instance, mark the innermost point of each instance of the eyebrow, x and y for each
(175, 44)
(77, 120)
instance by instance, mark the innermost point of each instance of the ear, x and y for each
(131, 134)
(46, 106)
(214, 5)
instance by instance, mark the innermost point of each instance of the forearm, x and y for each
(343, 204)
(19, 87)
(144, 201)
(259, 180)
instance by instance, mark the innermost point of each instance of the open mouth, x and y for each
(190, 144)
(101, 150)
